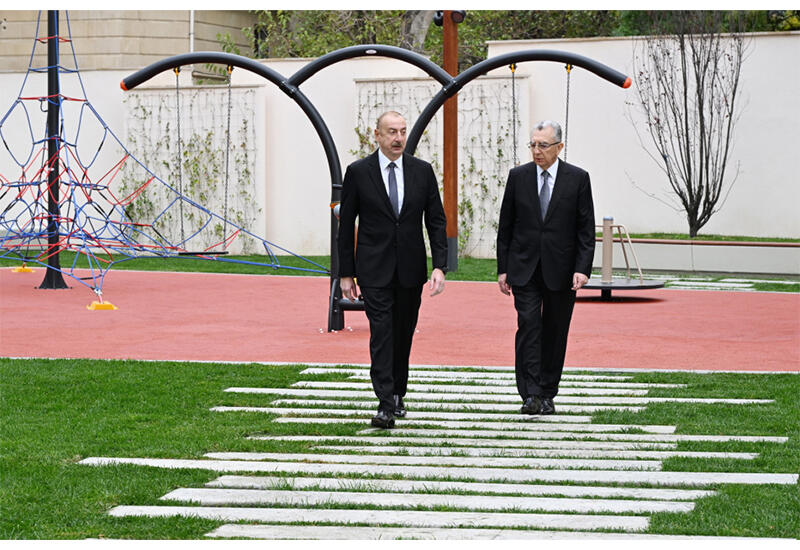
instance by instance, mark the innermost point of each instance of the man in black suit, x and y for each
(390, 192)
(545, 247)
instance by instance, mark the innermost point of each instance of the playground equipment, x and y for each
(607, 283)
(337, 305)
(66, 195)
(119, 238)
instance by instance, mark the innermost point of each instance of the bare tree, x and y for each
(688, 86)
(415, 28)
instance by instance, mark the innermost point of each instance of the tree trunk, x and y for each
(415, 29)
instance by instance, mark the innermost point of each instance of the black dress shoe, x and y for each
(399, 406)
(384, 419)
(547, 406)
(532, 405)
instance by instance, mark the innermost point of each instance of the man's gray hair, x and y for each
(549, 124)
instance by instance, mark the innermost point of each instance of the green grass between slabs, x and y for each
(57, 412)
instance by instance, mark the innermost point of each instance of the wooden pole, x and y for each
(450, 199)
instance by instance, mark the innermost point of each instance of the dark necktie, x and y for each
(544, 194)
(393, 189)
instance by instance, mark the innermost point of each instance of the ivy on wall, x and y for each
(486, 149)
(196, 167)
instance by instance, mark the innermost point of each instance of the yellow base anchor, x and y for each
(22, 269)
(101, 305)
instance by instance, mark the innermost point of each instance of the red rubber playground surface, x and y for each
(214, 317)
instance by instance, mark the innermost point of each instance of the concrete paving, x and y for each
(506, 373)
(422, 378)
(265, 497)
(458, 388)
(406, 485)
(559, 435)
(572, 453)
(517, 421)
(402, 517)
(560, 400)
(325, 532)
(413, 415)
(669, 479)
(487, 475)
(439, 405)
(471, 442)
(465, 461)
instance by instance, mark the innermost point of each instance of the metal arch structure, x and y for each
(246, 63)
(450, 86)
(603, 71)
(290, 86)
(365, 50)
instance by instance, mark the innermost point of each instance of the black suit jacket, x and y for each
(387, 242)
(563, 242)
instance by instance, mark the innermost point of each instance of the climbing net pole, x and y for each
(96, 184)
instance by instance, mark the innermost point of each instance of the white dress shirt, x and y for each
(551, 181)
(383, 162)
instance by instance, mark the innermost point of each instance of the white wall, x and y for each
(292, 170)
(764, 200)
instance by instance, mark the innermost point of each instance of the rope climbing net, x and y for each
(99, 184)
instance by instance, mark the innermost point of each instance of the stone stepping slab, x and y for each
(473, 442)
(720, 285)
(498, 397)
(438, 405)
(436, 415)
(266, 497)
(461, 461)
(604, 372)
(411, 518)
(520, 421)
(409, 486)
(751, 281)
(418, 371)
(572, 453)
(675, 479)
(530, 434)
(330, 532)
(454, 388)
(506, 382)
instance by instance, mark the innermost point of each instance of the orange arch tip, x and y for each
(122, 85)
(627, 83)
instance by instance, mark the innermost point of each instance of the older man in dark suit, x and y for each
(390, 192)
(545, 247)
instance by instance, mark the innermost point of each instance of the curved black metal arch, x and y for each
(450, 86)
(367, 50)
(334, 167)
(603, 71)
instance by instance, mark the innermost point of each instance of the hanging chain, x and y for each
(227, 159)
(568, 67)
(513, 68)
(180, 164)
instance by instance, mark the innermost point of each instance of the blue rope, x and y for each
(104, 237)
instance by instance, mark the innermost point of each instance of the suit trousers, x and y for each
(543, 318)
(392, 313)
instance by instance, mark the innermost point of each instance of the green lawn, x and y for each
(53, 413)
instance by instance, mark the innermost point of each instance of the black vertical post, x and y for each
(52, 276)
(335, 313)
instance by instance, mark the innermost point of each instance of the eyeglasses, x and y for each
(542, 146)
